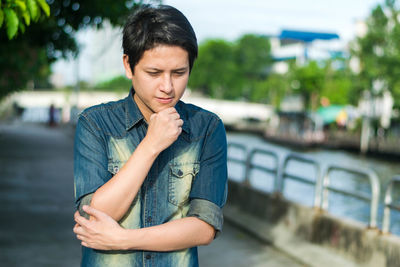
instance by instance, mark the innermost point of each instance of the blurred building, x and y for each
(303, 46)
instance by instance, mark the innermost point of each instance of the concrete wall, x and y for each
(310, 235)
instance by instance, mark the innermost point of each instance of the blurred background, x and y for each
(315, 79)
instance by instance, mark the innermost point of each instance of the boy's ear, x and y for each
(128, 71)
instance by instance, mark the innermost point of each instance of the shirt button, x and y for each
(180, 172)
(149, 219)
(148, 256)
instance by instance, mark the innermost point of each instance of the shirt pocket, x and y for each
(180, 182)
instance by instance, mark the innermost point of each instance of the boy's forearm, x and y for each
(174, 235)
(115, 196)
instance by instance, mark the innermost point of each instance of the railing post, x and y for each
(279, 177)
(318, 187)
(317, 183)
(325, 191)
(388, 203)
(386, 212)
(244, 149)
(375, 190)
(248, 167)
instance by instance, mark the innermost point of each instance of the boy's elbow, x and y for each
(209, 239)
(208, 235)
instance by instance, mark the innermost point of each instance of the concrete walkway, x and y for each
(36, 205)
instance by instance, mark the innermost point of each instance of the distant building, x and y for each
(303, 46)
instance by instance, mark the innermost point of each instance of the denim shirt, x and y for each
(189, 178)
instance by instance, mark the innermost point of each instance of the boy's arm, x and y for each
(116, 195)
(102, 232)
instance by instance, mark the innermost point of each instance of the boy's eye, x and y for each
(153, 73)
(180, 73)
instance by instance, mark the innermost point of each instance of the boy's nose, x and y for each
(167, 85)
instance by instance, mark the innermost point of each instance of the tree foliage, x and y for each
(253, 55)
(214, 71)
(119, 83)
(378, 50)
(308, 80)
(231, 70)
(272, 89)
(15, 15)
(330, 79)
(338, 85)
(242, 70)
(27, 57)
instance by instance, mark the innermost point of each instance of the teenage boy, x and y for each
(150, 171)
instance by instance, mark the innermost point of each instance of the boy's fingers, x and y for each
(94, 212)
(152, 116)
(180, 122)
(81, 221)
(169, 110)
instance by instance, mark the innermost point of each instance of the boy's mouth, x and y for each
(164, 100)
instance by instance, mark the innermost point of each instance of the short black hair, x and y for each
(150, 26)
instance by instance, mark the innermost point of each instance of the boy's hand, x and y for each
(100, 232)
(164, 128)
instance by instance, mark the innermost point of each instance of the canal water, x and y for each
(339, 205)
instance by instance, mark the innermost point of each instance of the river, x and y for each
(339, 205)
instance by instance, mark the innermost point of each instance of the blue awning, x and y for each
(307, 36)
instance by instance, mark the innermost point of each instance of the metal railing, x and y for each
(242, 148)
(374, 184)
(388, 203)
(250, 165)
(321, 183)
(286, 175)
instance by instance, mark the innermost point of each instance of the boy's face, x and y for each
(159, 79)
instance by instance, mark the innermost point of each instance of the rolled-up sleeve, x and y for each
(90, 160)
(208, 212)
(209, 190)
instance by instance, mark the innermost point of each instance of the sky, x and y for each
(229, 19)
(226, 19)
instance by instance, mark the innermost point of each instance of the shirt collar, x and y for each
(132, 112)
(180, 109)
(134, 116)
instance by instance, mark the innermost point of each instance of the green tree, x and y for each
(378, 50)
(253, 59)
(272, 90)
(253, 55)
(331, 79)
(17, 14)
(231, 70)
(214, 71)
(308, 80)
(119, 83)
(27, 57)
(338, 84)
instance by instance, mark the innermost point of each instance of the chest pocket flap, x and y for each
(180, 182)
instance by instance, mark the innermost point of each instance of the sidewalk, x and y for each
(36, 196)
(235, 248)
